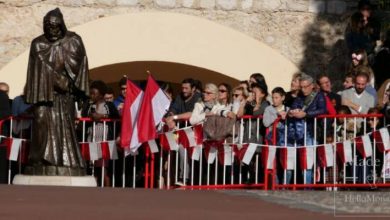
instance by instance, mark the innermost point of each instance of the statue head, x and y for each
(54, 26)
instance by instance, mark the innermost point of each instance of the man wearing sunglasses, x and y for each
(118, 102)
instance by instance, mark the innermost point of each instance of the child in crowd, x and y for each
(271, 114)
(348, 81)
(374, 124)
(345, 126)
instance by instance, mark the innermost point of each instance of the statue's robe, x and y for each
(57, 73)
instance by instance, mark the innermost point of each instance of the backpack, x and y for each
(218, 128)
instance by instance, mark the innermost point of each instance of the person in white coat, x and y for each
(209, 105)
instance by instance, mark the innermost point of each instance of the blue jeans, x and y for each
(289, 173)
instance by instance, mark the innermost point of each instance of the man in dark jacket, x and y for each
(304, 109)
(181, 108)
(326, 87)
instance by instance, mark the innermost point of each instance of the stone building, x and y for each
(306, 33)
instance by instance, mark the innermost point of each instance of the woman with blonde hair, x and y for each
(209, 106)
(240, 96)
(294, 89)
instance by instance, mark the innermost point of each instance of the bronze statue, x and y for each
(57, 74)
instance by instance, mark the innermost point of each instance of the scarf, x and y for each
(308, 100)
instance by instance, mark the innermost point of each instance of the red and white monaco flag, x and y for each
(306, 157)
(153, 107)
(187, 137)
(198, 133)
(196, 152)
(250, 151)
(382, 139)
(363, 145)
(168, 141)
(228, 155)
(153, 146)
(268, 156)
(108, 150)
(224, 153)
(211, 154)
(325, 155)
(95, 152)
(385, 138)
(130, 112)
(16, 143)
(344, 151)
(287, 157)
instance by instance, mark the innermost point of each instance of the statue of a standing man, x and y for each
(57, 73)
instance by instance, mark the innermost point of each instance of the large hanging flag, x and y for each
(153, 108)
(131, 108)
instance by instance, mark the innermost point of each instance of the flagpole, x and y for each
(152, 170)
(124, 169)
(146, 168)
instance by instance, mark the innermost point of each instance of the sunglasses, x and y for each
(207, 93)
(123, 88)
(222, 91)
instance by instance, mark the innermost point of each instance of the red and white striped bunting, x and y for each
(344, 151)
(99, 150)
(325, 155)
(363, 145)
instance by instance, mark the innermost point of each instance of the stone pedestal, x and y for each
(84, 181)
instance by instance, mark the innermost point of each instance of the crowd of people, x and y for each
(366, 90)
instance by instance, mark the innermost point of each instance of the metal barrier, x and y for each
(211, 164)
(342, 149)
(248, 158)
(19, 127)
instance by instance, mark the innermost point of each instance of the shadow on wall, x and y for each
(325, 48)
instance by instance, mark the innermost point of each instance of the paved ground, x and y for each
(338, 203)
(22, 202)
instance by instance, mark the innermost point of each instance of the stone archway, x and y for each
(173, 73)
(170, 37)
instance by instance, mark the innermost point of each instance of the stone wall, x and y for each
(308, 32)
